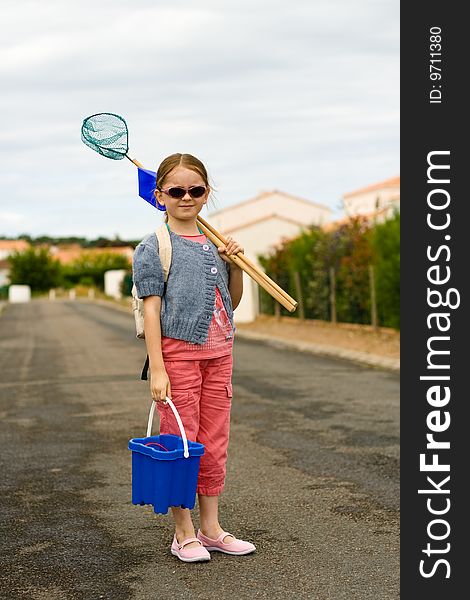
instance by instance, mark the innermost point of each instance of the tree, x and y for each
(92, 267)
(310, 260)
(127, 283)
(386, 244)
(34, 267)
(353, 286)
(349, 249)
(276, 266)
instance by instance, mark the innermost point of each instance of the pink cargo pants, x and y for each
(201, 390)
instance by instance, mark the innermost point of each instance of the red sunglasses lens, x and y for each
(197, 192)
(176, 192)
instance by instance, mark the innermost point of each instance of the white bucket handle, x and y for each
(178, 419)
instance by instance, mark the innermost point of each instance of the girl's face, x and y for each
(185, 208)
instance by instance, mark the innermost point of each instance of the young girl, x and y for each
(189, 335)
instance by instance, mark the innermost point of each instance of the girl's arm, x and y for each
(159, 381)
(235, 284)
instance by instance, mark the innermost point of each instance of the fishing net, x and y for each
(106, 134)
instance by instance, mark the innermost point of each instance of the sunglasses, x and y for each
(196, 191)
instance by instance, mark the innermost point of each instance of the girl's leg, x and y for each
(214, 429)
(214, 426)
(184, 525)
(209, 517)
(185, 378)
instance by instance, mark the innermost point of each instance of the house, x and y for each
(64, 253)
(7, 247)
(374, 201)
(260, 223)
(67, 253)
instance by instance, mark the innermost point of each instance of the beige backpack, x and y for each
(164, 250)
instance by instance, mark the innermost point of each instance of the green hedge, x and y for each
(349, 250)
(38, 269)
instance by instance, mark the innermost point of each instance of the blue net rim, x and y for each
(94, 144)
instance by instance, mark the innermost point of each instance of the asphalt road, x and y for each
(312, 476)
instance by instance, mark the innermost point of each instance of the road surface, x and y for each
(312, 477)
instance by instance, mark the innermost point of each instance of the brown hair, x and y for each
(188, 161)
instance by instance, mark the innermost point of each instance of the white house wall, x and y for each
(266, 204)
(366, 202)
(260, 224)
(256, 239)
(261, 237)
(4, 280)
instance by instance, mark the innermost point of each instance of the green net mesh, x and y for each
(107, 134)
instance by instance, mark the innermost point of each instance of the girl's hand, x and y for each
(232, 247)
(160, 386)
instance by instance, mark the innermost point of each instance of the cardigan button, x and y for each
(206, 247)
(214, 270)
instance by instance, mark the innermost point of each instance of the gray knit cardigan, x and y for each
(189, 299)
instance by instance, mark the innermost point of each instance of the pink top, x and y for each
(220, 337)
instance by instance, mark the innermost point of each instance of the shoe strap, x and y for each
(225, 534)
(221, 537)
(188, 541)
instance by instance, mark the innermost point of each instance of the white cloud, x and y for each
(299, 97)
(11, 218)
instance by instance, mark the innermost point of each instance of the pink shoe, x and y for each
(189, 554)
(236, 547)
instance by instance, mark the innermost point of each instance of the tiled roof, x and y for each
(262, 195)
(392, 182)
(13, 245)
(67, 254)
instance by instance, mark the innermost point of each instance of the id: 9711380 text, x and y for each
(435, 69)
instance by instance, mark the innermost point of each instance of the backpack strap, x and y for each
(145, 370)
(164, 248)
(165, 253)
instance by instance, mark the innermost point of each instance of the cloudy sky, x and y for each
(299, 96)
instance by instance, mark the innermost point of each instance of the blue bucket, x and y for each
(165, 468)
